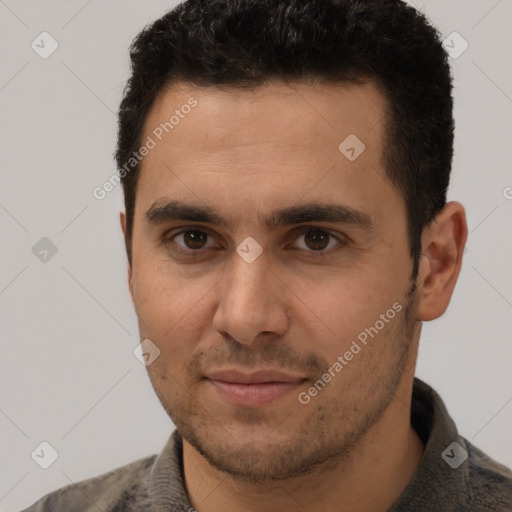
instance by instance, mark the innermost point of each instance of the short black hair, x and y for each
(245, 43)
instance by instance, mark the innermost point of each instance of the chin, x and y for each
(257, 455)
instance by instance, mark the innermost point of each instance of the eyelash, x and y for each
(169, 236)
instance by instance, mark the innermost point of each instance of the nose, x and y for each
(252, 301)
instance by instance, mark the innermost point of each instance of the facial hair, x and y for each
(336, 421)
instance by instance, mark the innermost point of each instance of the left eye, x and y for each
(317, 240)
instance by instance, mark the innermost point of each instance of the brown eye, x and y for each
(319, 241)
(191, 240)
(194, 239)
(316, 239)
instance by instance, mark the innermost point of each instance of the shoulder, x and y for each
(122, 488)
(489, 484)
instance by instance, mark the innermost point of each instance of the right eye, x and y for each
(192, 241)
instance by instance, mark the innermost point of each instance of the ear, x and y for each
(443, 242)
(122, 219)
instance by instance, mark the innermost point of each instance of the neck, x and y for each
(371, 480)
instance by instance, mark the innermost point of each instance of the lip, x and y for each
(257, 377)
(253, 389)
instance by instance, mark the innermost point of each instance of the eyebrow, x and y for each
(172, 210)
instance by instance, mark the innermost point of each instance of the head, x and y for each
(293, 212)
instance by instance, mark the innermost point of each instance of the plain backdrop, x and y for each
(68, 375)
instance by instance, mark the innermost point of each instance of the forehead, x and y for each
(291, 114)
(268, 143)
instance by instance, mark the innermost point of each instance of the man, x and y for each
(285, 167)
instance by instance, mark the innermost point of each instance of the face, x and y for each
(271, 269)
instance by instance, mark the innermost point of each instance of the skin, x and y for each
(246, 153)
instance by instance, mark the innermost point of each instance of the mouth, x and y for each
(253, 389)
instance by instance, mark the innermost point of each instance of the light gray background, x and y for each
(68, 374)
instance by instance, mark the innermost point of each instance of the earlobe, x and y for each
(443, 244)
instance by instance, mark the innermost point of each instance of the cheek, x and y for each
(171, 310)
(334, 312)
(345, 298)
(161, 296)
